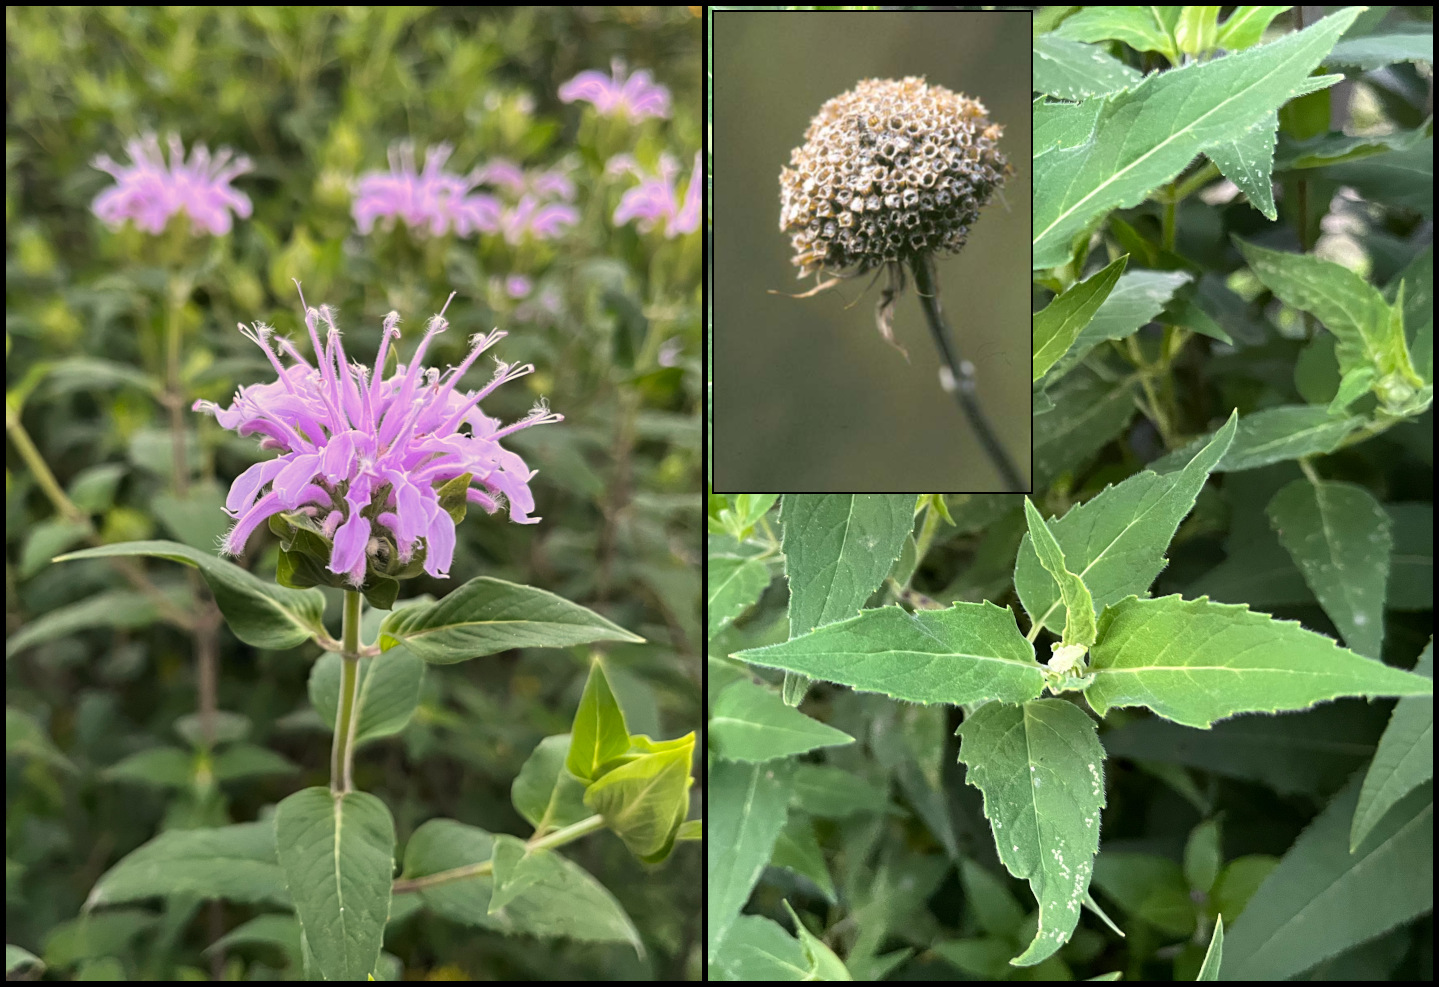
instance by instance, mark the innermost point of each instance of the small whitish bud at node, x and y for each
(947, 381)
(1066, 658)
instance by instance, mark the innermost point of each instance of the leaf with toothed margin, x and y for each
(1040, 767)
(1195, 662)
(968, 653)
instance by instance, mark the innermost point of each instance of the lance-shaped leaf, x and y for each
(968, 653)
(1073, 70)
(338, 856)
(389, 691)
(544, 792)
(1246, 26)
(1059, 324)
(837, 549)
(1322, 900)
(645, 800)
(1041, 769)
(559, 899)
(1146, 135)
(1338, 536)
(1135, 301)
(1247, 160)
(747, 807)
(1214, 955)
(1142, 28)
(1404, 760)
(1273, 435)
(734, 584)
(236, 863)
(1194, 662)
(1351, 308)
(487, 615)
(599, 734)
(1078, 605)
(751, 723)
(260, 613)
(1378, 50)
(1116, 542)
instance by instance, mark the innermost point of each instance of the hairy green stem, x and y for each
(558, 838)
(343, 754)
(961, 381)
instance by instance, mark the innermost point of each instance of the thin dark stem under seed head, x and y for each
(961, 372)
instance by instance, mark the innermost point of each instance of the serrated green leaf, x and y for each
(1404, 760)
(1059, 324)
(1088, 411)
(1247, 160)
(544, 792)
(734, 585)
(1078, 605)
(563, 900)
(645, 800)
(599, 733)
(1338, 536)
(1377, 50)
(1116, 542)
(236, 863)
(751, 723)
(1146, 135)
(1149, 888)
(1194, 662)
(968, 653)
(837, 549)
(747, 806)
(1041, 769)
(1135, 301)
(1214, 955)
(1352, 386)
(261, 614)
(389, 691)
(1245, 27)
(1072, 70)
(1337, 148)
(1273, 435)
(337, 853)
(1322, 900)
(487, 615)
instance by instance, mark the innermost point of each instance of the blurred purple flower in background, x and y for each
(637, 97)
(541, 220)
(433, 200)
(364, 457)
(518, 286)
(654, 202)
(150, 191)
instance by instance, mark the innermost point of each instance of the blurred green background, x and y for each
(807, 395)
(315, 95)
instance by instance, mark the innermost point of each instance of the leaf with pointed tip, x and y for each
(747, 807)
(1073, 70)
(1273, 435)
(1116, 542)
(822, 963)
(1247, 160)
(599, 734)
(968, 653)
(734, 585)
(261, 614)
(1059, 324)
(759, 949)
(1040, 767)
(1195, 662)
(1378, 50)
(1404, 760)
(389, 691)
(1146, 135)
(544, 792)
(751, 723)
(1139, 27)
(1078, 605)
(1135, 301)
(235, 863)
(487, 615)
(1214, 955)
(644, 801)
(1338, 536)
(337, 853)
(1245, 27)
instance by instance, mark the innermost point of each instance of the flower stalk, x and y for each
(342, 756)
(559, 837)
(961, 379)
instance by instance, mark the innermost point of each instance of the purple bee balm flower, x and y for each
(543, 221)
(518, 286)
(364, 457)
(654, 202)
(432, 200)
(637, 97)
(514, 179)
(150, 191)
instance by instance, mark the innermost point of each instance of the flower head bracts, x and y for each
(150, 190)
(433, 200)
(655, 202)
(637, 97)
(373, 465)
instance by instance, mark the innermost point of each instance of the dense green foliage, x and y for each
(107, 742)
